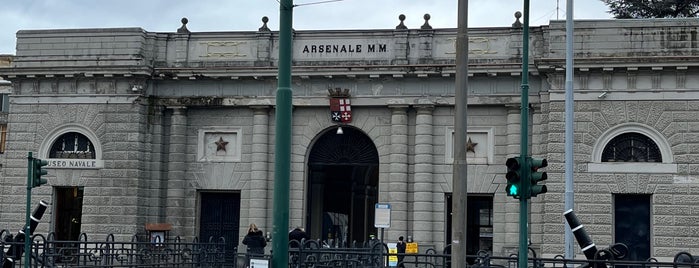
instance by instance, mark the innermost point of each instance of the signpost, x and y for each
(382, 217)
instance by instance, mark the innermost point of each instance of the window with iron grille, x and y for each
(631, 147)
(72, 145)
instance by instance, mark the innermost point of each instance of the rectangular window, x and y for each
(3, 137)
(632, 224)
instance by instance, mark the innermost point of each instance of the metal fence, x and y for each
(140, 252)
(46, 251)
(312, 254)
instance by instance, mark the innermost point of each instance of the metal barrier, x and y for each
(310, 254)
(559, 261)
(46, 251)
(139, 252)
(372, 254)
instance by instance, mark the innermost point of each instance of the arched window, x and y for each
(631, 147)
(72, 145)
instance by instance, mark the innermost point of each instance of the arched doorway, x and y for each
(342, 187)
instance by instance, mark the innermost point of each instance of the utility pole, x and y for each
(282, 156)
(459, 176)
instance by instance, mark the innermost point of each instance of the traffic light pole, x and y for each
(282, 156)
(27, 234)
(524, 133)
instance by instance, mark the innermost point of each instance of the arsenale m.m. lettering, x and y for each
(346, 48)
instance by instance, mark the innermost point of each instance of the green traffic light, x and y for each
(513, 190)
(513, 177)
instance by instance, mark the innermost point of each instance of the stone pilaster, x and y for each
(260, 183)
(181, 49)
(423, 214)
(398, 178)
(264, 45)
(514, 117)
(176, 170)
(426, 38)
(505, 208)
(158, 190)
(400, 43)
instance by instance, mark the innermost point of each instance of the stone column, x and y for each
(423, 213)
(158, 189)
(398, 178)
(513, 130)
(505, 208)
(260, 184)
(176, 184)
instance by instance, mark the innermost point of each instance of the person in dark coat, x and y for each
(401, 250)
(255, 241)
(299, 235)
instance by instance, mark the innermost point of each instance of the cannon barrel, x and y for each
(588, 247)
(17, 248)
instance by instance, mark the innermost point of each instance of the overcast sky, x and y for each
(245, 15)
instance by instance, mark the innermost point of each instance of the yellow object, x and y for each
(411, 248)
(392, 257)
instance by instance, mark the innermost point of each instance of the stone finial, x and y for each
(426, 26)
(183, 29)
(264, 27)
(401, 26)
(517, 23)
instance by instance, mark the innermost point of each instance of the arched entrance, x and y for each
(342, 187)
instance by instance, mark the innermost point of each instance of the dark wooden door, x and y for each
(220, 217)
(632, 224)
(68, 217)
(69, 207)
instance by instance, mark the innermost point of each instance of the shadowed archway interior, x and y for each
(342, 187)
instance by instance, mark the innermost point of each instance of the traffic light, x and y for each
(514, 187)
(38, 172)
(535, 176)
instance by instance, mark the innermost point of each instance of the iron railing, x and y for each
(46, 251)
(140, 252)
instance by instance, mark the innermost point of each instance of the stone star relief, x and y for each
(221, 144)
(471, 146)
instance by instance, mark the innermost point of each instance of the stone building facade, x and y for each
(177, 129)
